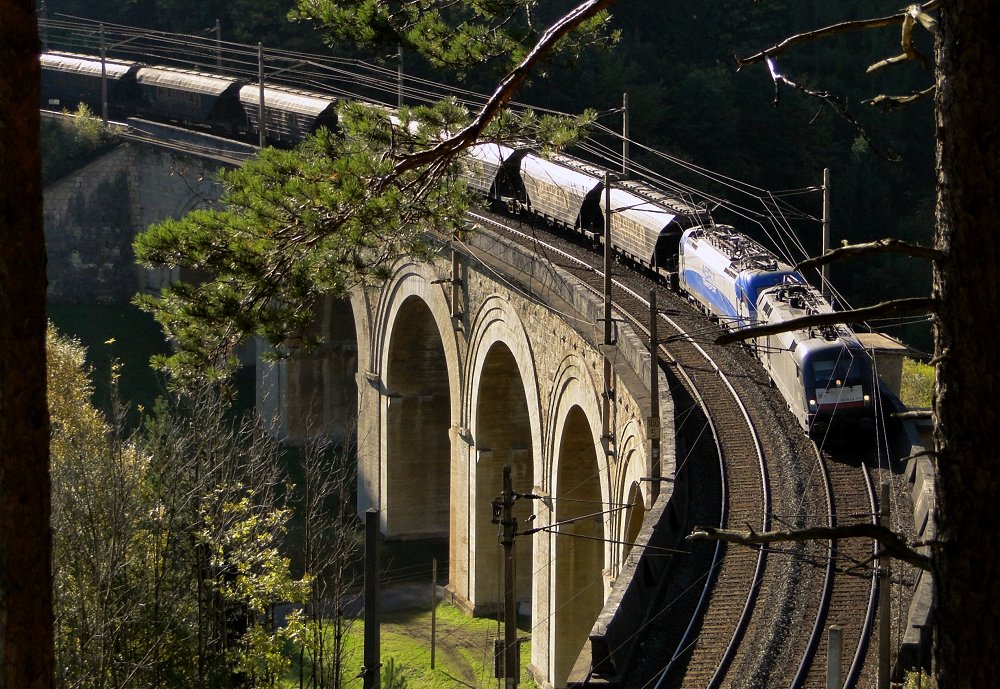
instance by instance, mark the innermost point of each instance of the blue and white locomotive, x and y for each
(824, 373)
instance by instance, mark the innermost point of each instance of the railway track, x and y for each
(736, 577)
(852, 587)
(735, 620)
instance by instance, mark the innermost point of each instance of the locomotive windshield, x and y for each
(846, 369)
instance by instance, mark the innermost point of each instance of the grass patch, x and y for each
(463, 650)
(69, 143)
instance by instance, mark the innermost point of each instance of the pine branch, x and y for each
(507, 88)
(897, 307)
(893, 545)
(876, 248)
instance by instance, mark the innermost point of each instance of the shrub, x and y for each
(70, 142)
(917, 388)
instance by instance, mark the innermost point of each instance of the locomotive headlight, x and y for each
(868, 400)
(812, 403)
(839, 383)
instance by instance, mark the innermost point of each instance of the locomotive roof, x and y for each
(291, 100)
(197, 82)
(84, 64)
(741, 250)
(785, 302)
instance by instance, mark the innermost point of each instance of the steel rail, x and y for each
(866, 631)
(817, 631)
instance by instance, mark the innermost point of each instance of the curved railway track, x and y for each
(734, 624)
(852, 587)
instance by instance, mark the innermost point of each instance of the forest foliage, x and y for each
(171, 557)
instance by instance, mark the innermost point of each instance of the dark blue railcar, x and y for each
(290, 115)
(69, 80)
(192, 98)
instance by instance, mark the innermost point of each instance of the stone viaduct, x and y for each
(488, 355)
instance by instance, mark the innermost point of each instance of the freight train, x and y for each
(217, 104)
(823, 373)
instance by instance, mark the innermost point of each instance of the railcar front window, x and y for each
(829, 374)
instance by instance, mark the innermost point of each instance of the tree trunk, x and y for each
(25, 571)
(967, 285)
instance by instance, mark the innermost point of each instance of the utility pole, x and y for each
(43, 15)
(434, 606)
(261, 124)
(608, 331)
(653, 423)
(456, 282)
(503, 514)
(825, 269)
(884, 596)
(372, 652)
(608, 430)
(834, 656)
(399, 76)
(218, 46)
(625, 134)
(104, 80)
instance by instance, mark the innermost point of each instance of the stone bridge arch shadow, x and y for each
(418, 366)
(576, 543)
(314, 390)
(505, 422)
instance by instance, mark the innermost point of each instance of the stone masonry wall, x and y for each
(92, 217)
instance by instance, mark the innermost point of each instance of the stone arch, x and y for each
(315, 391)
(503, 413)
(629, 491)
(634, 516)
(579, 485)
(416, 355)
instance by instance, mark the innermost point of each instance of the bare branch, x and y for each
(887, 103)
(876, 248)
(910, 51)
(918, 13)
(893, 545)
(908, 19)
(833, 101)
(897, 307)
(507, 88)
(914, 414)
